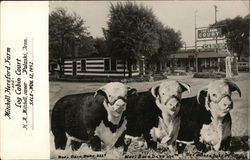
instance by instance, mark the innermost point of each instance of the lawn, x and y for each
(239, 115)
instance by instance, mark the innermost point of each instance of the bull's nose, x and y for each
(120, 108)
(174, 105)
(228, 105)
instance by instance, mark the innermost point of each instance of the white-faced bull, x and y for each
(206, 120)
(94, 118)
(155, 114)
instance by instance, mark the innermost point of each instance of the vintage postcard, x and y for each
(125, 80)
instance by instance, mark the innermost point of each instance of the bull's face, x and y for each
(219, 100)
(115, 102)
(168, 95)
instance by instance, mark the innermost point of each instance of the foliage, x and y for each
(86, 47)
(65, 32)
(169, 42)
(131, 32)
(101, 47)
(236, 32)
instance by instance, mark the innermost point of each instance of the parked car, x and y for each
(243, 66)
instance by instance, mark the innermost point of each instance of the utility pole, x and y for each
(215, 17)
(195, 42)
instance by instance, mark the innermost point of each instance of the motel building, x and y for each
(101, 67)
(208, 60)
(185, 61)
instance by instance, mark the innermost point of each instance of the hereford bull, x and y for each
(206, 121)
(92, 118)
(155, 114)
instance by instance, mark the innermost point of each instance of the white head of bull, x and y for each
(168, 95)
(218, 100)
(115, 101)
(167, 98)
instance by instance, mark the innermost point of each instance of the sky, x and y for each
(179, 15)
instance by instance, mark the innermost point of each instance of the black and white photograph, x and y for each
(148, 79)
(126, 80)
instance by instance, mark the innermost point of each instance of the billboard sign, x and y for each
(209, 33)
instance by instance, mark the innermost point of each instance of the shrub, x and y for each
(209, 75)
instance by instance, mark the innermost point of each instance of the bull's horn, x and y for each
(101, 91)
(132, 91)
(185, 87)
(155, 90)
(199, 93)
(232, 86)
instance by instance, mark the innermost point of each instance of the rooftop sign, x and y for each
(209, 33)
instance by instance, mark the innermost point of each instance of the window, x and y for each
(106, 65)
(113, 64)
(83, 65)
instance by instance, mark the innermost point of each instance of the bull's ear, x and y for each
(185, 87)
(131, 91)
(201, 95)
(155, 90)
(101, 92)
(232, 86)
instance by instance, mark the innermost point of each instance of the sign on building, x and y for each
(209, 33)
(218, 45)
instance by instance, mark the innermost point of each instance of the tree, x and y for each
(65, 31)
(131, 32)
(101, 47)
(236, 32)
(169, 43)
(87, 47)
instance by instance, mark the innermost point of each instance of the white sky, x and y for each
(176, 14)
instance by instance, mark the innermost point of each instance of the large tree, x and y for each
(66, 31)
(169, 42)
(131, 32)
(236, 32)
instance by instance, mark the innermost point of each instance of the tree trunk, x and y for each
(158, 67)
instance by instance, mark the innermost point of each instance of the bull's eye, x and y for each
(163, 93)
(215, 95)
(109, 95)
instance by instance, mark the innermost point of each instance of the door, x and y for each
(199, 65)
(106, 65)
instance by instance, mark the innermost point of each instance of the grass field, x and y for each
(239, 115)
